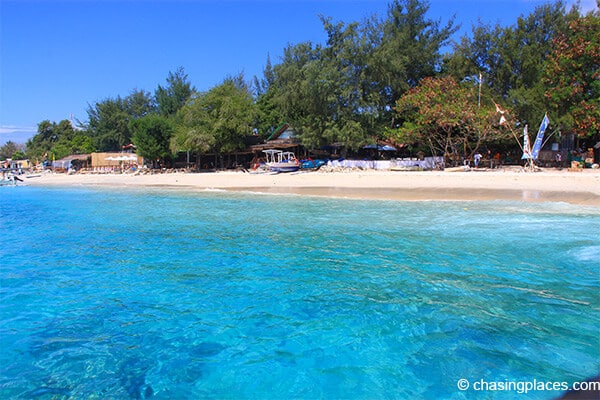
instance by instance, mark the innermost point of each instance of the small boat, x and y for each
(8, 182)
(282, 161)
(406, 168)
(463, 168)
(9, 179)
(311, 164)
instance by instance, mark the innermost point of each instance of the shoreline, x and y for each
(581, 188)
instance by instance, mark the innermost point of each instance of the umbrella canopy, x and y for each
(129, 157)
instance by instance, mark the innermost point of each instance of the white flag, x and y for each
(526, 146)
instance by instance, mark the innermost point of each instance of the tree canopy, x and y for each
(57, 141)
(512, 59)
(445, 116)
(217, 120)
(12, 150)
(109, 119)
(178, 91)
(152, 135)
(380, 78)
(572, 76)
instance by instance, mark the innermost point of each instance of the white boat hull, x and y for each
(284, 167)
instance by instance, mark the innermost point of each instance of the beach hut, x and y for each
(77, 161)
(283, 138)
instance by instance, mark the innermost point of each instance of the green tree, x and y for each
(572, 77)
(140, 103)
(109, 119)
(57, 140)
(77, 143)
(268, 114)
(512, 59)
(344, 91)
(10, 149)
(349, 116)
(152, 136)
(291, 90)
(406, 48)
(317, 89)
(174, 96)
(109, 124)
(192, 132)
(217, 120)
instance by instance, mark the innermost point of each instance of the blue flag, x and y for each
(537, 146)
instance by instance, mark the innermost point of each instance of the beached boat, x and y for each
(311, 164)
(9, 179)
(8, 182)
(406, 168)
(282, 161)
(462, 168)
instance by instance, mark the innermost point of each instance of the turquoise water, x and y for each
(164, 294)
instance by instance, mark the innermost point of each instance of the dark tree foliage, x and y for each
(12, 150)
(344, 91)
(407, 48)
(268, 115)
(348, 90)
(572, 77)
(152, 135)
(217, 120)
(57, 141)
(511, 59)
(109, 119)
(175, 94)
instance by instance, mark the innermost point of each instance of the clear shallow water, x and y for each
(158, 294)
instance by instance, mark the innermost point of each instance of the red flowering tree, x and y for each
(443, 115)
(572, 77)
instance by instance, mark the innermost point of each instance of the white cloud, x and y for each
(585, 6)
(17, 134)
(12, 129)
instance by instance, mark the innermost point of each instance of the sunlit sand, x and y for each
(547, 185)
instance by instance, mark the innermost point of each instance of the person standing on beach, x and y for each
(477, 158)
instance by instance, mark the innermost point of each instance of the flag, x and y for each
(498, 109)
(537, 145)
(502, 120)
(526, 146)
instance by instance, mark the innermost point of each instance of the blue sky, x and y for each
(56, 57)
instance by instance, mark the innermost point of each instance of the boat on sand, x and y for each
(282, 161)
(463, 168)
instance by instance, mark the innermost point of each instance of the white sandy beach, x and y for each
(547, 185)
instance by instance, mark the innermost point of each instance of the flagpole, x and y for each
(549, 137)
(479, 96)
(504, 121)
(516, 138)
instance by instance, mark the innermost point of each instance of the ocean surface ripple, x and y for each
(168, 294)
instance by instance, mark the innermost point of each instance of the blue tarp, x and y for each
(380, 147)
